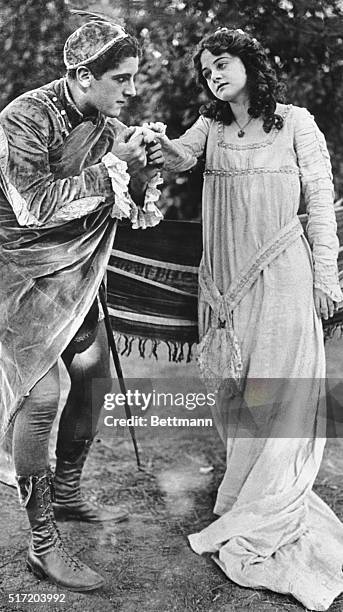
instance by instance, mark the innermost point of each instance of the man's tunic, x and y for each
(57, 224)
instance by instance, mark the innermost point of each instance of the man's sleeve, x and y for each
(25, 175)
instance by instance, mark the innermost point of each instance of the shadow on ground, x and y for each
(147, 563)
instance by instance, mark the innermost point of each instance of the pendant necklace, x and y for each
(241, 132)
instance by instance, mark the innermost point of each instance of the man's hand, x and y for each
(323, 304)
(140, 179)
(155, 156)
(155, 160)
(132, 150)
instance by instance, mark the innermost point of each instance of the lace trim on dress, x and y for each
(254, 145)
(219, 354)
(250, 171)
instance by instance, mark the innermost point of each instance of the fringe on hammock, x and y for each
(331, 330)
(148, 347)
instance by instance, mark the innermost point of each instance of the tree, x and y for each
(31, 42)
(304, 39)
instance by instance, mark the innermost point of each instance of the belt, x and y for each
(219, 352)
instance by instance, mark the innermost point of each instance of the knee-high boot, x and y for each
(47, 556)
(69, 501)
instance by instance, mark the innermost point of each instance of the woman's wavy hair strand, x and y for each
(263, 86)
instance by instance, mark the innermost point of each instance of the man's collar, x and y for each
(72, 109)
(70, 100)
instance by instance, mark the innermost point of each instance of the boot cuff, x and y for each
(25, 485)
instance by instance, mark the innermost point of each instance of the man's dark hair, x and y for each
(262, 83)
(111, 59)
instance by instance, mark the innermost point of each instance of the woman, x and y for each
(262, 293)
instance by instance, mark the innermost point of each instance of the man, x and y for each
(64, 183)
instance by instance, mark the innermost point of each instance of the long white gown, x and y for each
(258, 327)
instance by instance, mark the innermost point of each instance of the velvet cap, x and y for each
(90, 41)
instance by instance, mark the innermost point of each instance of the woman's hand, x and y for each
(158, 128)
(323, 303)
(132, 150)
(141, 151)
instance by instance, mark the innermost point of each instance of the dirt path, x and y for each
(146, 562)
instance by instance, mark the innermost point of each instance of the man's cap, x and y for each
(90, 41)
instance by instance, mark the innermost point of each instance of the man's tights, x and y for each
(78, 422)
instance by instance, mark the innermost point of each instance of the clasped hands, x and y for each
(143, 154)
(141, 151)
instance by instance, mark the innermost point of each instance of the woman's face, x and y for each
(225, 75)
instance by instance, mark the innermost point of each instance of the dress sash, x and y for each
(220, 339)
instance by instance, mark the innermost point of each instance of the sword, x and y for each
(119, 371)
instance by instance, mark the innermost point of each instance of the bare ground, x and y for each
(147, 563)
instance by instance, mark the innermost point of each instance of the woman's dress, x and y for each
(261, 347)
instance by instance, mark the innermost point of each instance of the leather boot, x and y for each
(69, 503)
(47, 556)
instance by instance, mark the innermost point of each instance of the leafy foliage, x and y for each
(31, 42)
(304, 39)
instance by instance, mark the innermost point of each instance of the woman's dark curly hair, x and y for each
(262, 83)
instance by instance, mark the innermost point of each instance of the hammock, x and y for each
(152, 285)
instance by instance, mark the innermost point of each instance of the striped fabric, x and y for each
(152, 285)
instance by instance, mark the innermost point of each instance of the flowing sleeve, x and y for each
(317, 187)
(35, 195)
(140, 216)
(124, 207)
(181, 154)
(38, 199)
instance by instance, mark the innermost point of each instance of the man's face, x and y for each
(114, 88)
